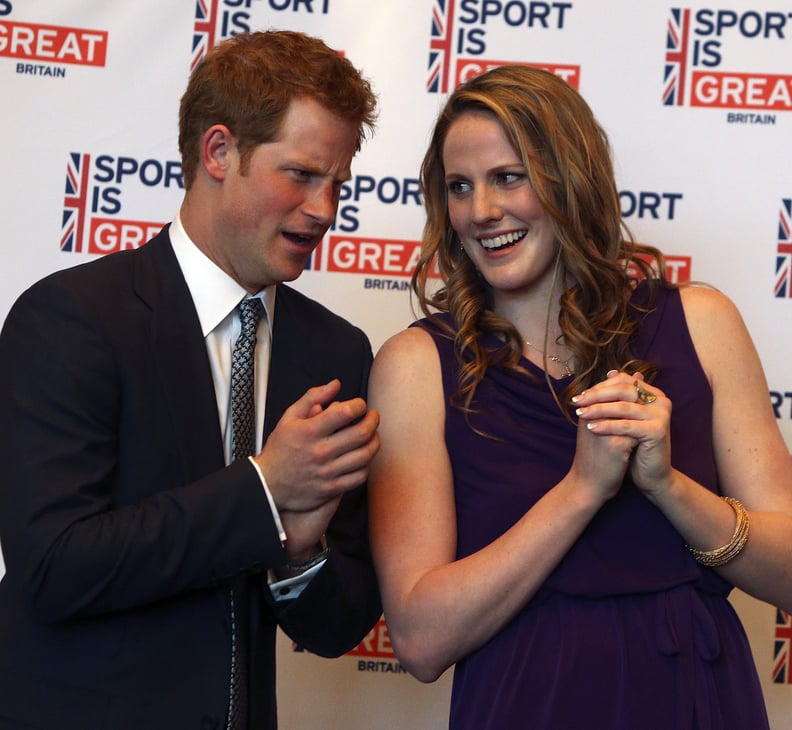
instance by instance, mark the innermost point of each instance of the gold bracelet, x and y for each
(722, 555)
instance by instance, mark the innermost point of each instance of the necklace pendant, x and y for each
(554, 358)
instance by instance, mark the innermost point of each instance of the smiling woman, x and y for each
(496, 214)
(529, 525)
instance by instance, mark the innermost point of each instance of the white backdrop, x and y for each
(696, 97)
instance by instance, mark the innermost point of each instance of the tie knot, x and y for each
(250, 311)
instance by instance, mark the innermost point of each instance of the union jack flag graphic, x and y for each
(783, 634)
(203, 29)
(676, 57)
(440, 46)
(75, 202)
(783, 268)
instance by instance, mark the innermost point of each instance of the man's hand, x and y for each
(319, 450)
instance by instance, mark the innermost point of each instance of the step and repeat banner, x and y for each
(696, 98)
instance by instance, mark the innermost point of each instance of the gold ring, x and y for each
(642, 395)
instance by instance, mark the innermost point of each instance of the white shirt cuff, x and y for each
(289, 588)
(275, 514)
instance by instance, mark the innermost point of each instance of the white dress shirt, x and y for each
(216, 297)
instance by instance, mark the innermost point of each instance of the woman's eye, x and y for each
(457, 187)
(507, 178)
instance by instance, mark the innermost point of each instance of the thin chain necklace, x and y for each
(554, 358)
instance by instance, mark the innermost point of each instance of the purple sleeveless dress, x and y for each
(628, 632)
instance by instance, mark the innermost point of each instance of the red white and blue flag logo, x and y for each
(783, 267)
(783, 635)
(675, 74)
(462, 31)
(203, 30)
(94, 220)
(701, 49)
(75, 202)
(440, 46)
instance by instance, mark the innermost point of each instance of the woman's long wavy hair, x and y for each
(568, 162)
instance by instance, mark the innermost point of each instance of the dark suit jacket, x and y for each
(120, 524)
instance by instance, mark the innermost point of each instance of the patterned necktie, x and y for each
(243, 407)
(243, 444)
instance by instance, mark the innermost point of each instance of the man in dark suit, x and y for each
(144, 556)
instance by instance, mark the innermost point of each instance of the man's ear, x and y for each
(218, 149)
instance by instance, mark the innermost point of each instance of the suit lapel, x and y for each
(181, 361)
(290, 373)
